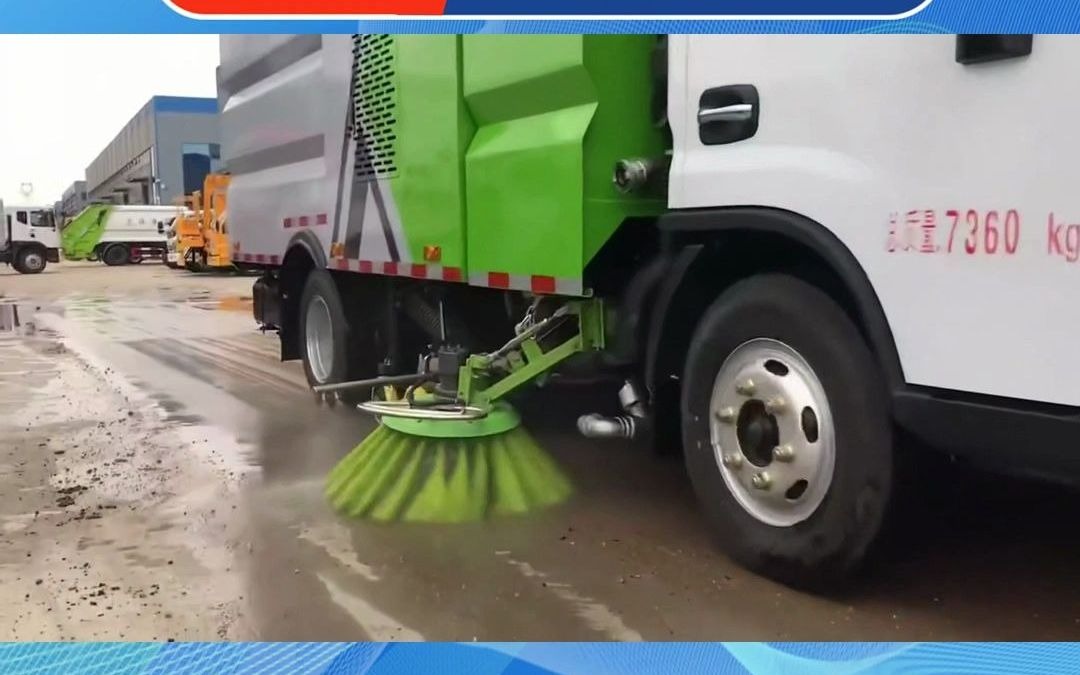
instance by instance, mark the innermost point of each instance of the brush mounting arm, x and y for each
(384, 381)
(486, 378)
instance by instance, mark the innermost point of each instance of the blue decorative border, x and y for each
(939, 16)
(750, 658)
(153, 16)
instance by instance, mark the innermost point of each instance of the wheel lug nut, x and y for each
(745, 388)
(783, 453)
(733, 460)
(775, 406)
(726, 415)
(761, 481)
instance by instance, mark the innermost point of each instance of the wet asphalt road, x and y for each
(161, 478)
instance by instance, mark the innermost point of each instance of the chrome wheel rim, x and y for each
(772, 432)
(34, 261)
(320, 339)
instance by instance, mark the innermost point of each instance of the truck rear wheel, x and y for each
(116, 254)
(786, 431)
(335, 345)
(30, 260)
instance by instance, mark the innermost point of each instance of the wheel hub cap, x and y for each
(320, 339)
(771, 431)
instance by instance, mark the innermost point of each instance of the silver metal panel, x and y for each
(281, 98)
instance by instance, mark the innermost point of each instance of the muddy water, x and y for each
(161, 476)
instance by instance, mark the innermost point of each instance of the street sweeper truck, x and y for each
(28, 238)
(785, 248)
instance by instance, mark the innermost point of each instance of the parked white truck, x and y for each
(29, 239)
(802, 243)
(119, 235)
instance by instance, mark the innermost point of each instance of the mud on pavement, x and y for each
(161, 478)
(103, 520)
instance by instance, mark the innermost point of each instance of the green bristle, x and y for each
(395, 476)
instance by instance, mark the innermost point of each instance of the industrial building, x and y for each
(163, 153)
(73, 200)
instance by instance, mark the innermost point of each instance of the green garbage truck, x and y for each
(118, 234)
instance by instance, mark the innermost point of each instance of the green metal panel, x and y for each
(553, 114)
(84, 232)
(434, 128)
(525, 194)
(622, 127)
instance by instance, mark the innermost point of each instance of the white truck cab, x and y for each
(29, 237)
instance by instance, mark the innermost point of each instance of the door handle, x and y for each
(728, 114)
(736, 112)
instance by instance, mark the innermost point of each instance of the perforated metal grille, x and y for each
(374, 105)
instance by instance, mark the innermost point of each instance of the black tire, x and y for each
(353, 351)
(30, 260)
(826, 548)
(195, 261)
(115, 255)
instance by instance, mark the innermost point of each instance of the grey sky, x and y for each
(64, 97)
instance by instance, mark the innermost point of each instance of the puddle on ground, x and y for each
(20, 319)
(229, 303)
(15, 318)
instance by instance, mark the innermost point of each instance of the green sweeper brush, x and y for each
(451, 450)
(446, 471)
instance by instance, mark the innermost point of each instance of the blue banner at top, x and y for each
(702, 8)
(537, 16)
(552, 8)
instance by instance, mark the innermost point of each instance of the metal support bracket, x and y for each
(480, 386)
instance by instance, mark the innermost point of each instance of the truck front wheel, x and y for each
(30, 260)
(196, 260)
(786, 431)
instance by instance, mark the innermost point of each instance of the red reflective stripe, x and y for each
(414, 270)
(260, 258)
(321, 219)
(288, 223)
(543, 284)
(274, 260)
(498, 280)
(247, 257)
(304, 221)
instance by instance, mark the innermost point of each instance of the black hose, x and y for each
(423, 315)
